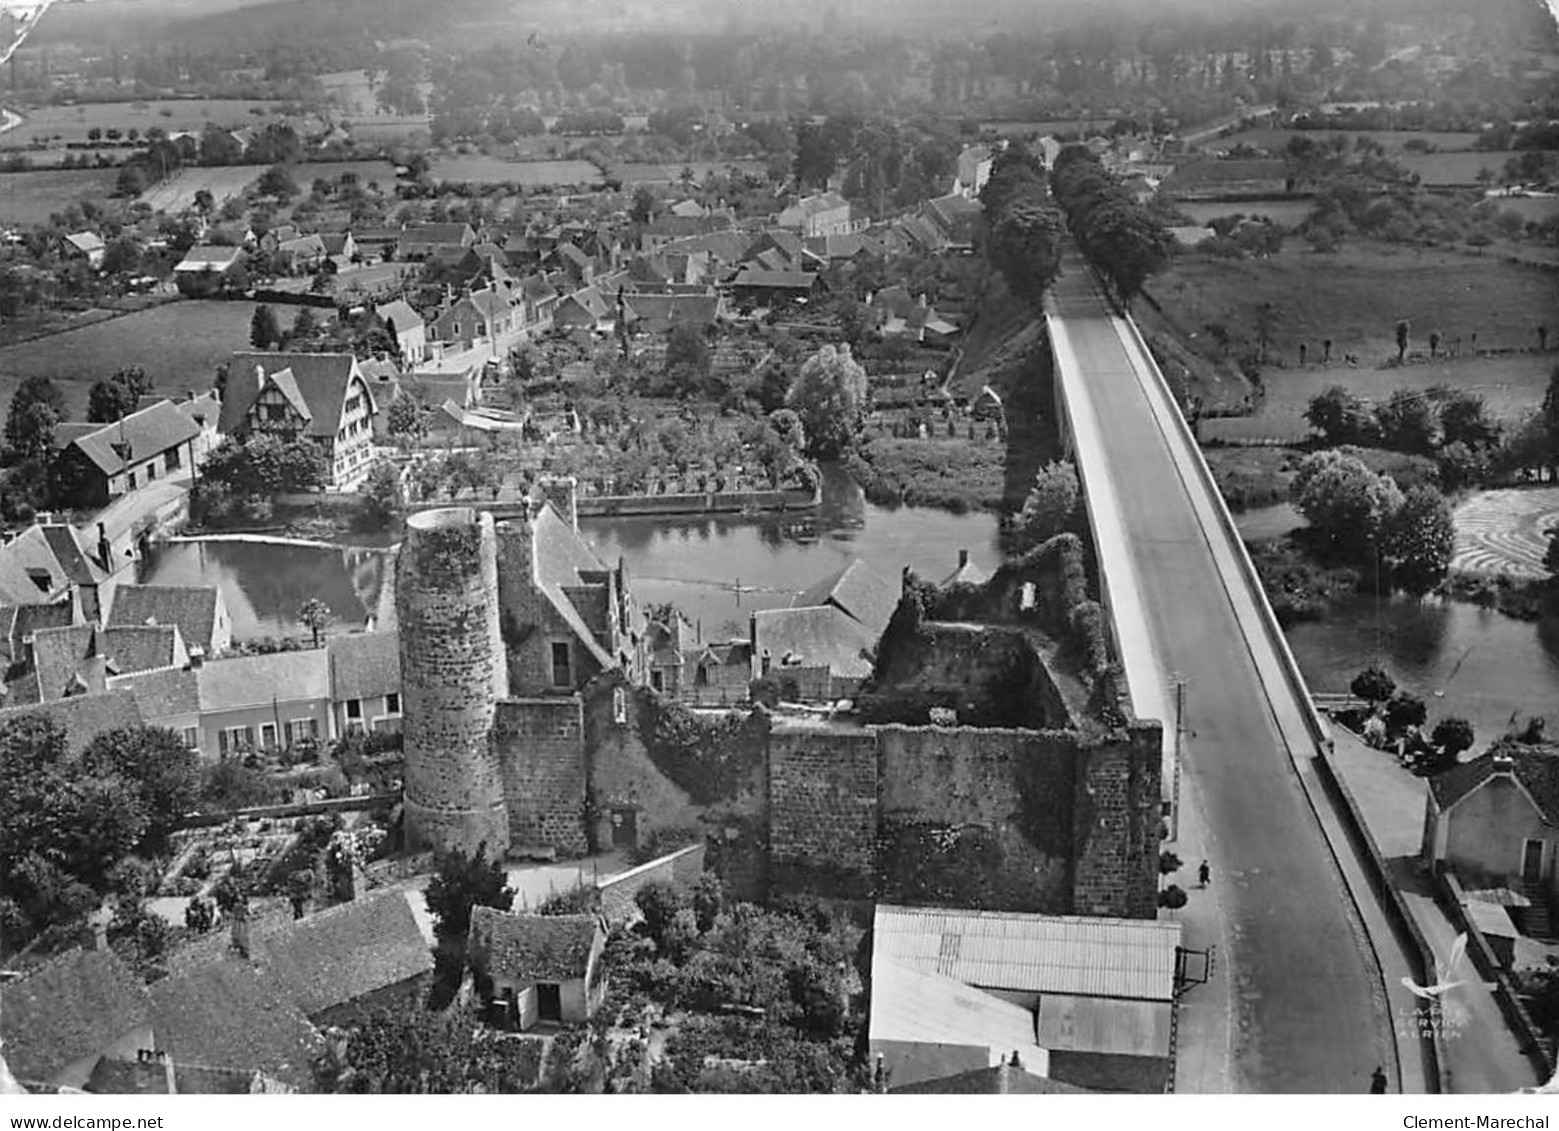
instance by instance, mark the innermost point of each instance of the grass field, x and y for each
(29, 198)
(638, 173)
(1274, 138)
(1454, 168)
(1287, 213)
(180, 344)
(492, 170)
(71, 123)
(1355, 297)
(178, 192)
(367, 172)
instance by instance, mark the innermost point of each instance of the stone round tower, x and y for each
(453, 672)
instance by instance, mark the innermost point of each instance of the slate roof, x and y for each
(560, 557)
(65, 660)
(302, 245)
(193, 608)
(139, 648)
(536, 288)
(31, 571)
(553, 948)
(728, 247)
(1535, 767)
(449, 232)
(335, 242)
(145, 434)
(73, 1006)
(814, 637)
(858, 591)
(345, 952)
(320, 380)
(227, 1013)
(364, 665)
(660, 312)
(209, 257)
(587, 299)
(255, 681)
(17, 622)
(161, 696)
(1047, 954)
(84, 717)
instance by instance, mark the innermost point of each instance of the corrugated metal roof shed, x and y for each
(1105, 1025)
(1047, 954)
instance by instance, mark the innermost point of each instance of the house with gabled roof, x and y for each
(365, 681)
(422, 241)
(199, 611)
(208, 270)
(585, 309)
(1495, 820)
(323, 398)
(88, 246)
(53, 563)
(169, 698)
(538, 968)
(824, 214)
(821, 648)
(94, 464)
(478, 318)
(228, 1013)
(346, 962)
(79, 659)
(264, 702)
(408, 329)
(84, 717)
(60, 1018)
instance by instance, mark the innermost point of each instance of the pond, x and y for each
(1461, 659)
(264, 582)
(719, 570)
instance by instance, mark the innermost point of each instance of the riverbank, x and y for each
(953, 475)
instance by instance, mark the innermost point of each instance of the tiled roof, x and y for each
(84, 717)
(560, 557)
(660, 312)
(728, 247)
(814, 637)
(71, 1007)
(30, 567)
(255, 681)
(193, 608)
(451, 232)
(68, 551)
(345, 952)
(139, 648)
(554, 948)
(18, 622)
(1060, 954)
(303, 245)
(111, 1077)
(227, 1013)
(537, 289)
(857, 590)
(139, 436)
(162, 696)
(1003, 1080)
(1535, 767)
(775, 280)
(364, 665)
(320, 378)
(67, 661)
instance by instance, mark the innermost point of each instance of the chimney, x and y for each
(963, 558)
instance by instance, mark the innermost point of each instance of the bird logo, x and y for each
(1445, 974)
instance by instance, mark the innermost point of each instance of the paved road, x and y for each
(1309, 1011)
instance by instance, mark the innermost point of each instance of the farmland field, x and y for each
(367, 172)
(71, 123)
(1355, 298)
(178, 192)
(1274, 138)
(492, 170)
(1532, 209)
(206, 334)
(29, 198)
(636, 173)
(1454, 168)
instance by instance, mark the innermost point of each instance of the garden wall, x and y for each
(677, 869)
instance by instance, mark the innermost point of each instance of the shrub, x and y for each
(1173, 897)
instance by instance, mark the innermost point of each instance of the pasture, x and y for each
(222, 181)
(640, 173)
(206, 334)
(61, 124)
(1285, 213)
(477, 169)
(1274, 138)
(1454, 168)
(30, 198)
(368, 172)
(1355, 298)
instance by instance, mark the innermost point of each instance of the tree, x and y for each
(1267, 316)
(199, 917)
(1127, 244)
(277, 181)
(1341, 417)
(37, 407)
(300, 889)
(1452, 735)
(643, 207)
(1465, 419)
(161, 769)
(1051, 505)
(659, 904)
(1345, 502)
(687, 354)
(829, 394)
(264, 331)
(464, 882)
(304, 326)
(407, 419)
(1373, 686)
(1419, 539)
(315, 616)
(1402, 331)
(116, 398)
(1404, 712)
(1025, 246)
(382, 495)
(1408, 422)
(122, 256)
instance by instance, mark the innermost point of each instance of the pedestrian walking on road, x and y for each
(1378, 1082)
(1204, 873)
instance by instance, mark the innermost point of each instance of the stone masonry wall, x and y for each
(540, 743)
(677, 869)
(529, 622)
(452, 674)
(1118, 812)
(823, 810)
